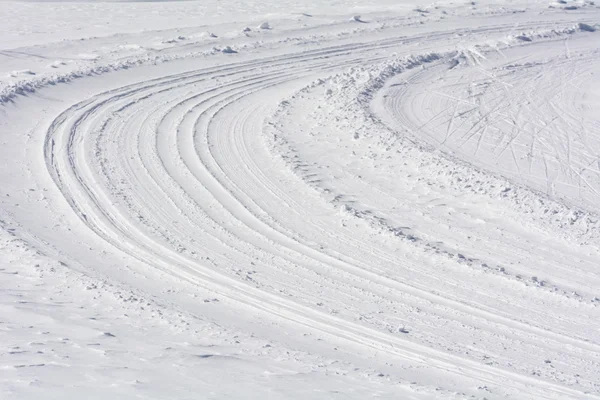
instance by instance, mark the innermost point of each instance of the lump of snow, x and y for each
(264, 25)
(246, 29)
(356, 18)
(56, 64)
(585, 27)
(524, 38)
(15, 74)
(228, 50)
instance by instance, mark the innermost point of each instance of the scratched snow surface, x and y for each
(286, 200)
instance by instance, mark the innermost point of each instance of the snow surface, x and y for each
(390, 199)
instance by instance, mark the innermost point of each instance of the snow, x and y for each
(400, 208)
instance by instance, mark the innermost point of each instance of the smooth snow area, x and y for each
(289, 200)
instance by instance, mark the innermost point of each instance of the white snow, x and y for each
(405, 208)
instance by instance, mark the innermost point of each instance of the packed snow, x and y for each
(294, 200)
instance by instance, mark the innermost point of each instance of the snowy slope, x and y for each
(281, 199)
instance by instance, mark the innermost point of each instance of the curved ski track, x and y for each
(177, 173)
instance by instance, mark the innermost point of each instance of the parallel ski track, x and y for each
(174, 172)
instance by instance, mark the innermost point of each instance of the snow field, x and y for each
(400, 202)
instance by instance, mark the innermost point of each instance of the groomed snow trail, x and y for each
(399, 205)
